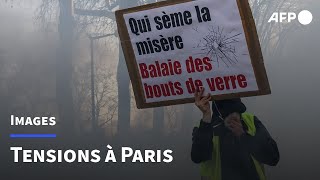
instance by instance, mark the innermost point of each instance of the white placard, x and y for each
(178, 46)
(172, 48)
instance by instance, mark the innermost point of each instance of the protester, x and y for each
(230, 143)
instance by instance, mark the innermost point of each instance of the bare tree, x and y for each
(104, 14)
(106, 94)
(105, 91)
(272, 36)
(96, 17)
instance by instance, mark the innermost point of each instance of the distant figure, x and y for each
(230, 143)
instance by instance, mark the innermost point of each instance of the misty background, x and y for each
(45, 70)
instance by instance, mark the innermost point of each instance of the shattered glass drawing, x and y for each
(219, 46)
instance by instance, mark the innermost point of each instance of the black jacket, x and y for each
(235, 152)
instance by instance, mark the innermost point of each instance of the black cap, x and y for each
(228, 106)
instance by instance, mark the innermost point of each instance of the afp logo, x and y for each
(304, 17)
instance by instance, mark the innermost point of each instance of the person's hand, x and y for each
(233, 123)
(202, 102)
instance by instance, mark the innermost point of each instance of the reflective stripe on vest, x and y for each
(211, 169)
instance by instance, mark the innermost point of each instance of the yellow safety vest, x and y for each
(211, 169)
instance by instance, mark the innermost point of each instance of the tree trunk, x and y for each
(64, 70)
(123, 96)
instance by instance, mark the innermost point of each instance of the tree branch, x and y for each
(97, 13)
